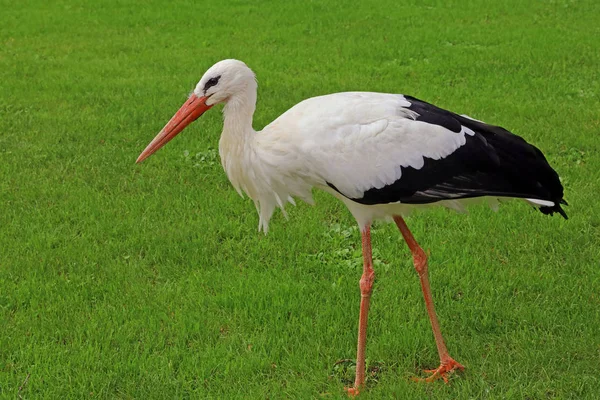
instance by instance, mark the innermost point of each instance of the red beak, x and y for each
(190, 111)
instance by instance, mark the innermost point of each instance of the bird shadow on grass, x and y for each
(344, 371)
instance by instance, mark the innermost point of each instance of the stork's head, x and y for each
(222, 82)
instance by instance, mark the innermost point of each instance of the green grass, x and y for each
(150, 281)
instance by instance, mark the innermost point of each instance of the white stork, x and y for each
(381, 154)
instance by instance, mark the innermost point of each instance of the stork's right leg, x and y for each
(366, 285)
(447, 363)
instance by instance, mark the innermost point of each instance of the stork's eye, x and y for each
(211, 82)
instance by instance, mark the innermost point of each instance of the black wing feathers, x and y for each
(434, 115)
(493, 162)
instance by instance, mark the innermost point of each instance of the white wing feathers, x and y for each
(362, 140)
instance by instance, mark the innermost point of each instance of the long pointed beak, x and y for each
(190, 111)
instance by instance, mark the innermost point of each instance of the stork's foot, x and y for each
(352, 391)
(442, 371)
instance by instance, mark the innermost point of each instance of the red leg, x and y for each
(447, 363)
(366, 285)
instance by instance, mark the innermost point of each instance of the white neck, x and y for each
(237, 138)
(239, 110)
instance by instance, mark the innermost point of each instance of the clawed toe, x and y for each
(445, 368)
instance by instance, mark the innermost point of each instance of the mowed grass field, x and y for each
(151, 282)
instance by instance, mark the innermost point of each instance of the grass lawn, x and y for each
(151, 282)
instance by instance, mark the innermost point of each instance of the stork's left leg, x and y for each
(447, 363)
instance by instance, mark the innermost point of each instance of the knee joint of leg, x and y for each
(366, 282)
(420, 261)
